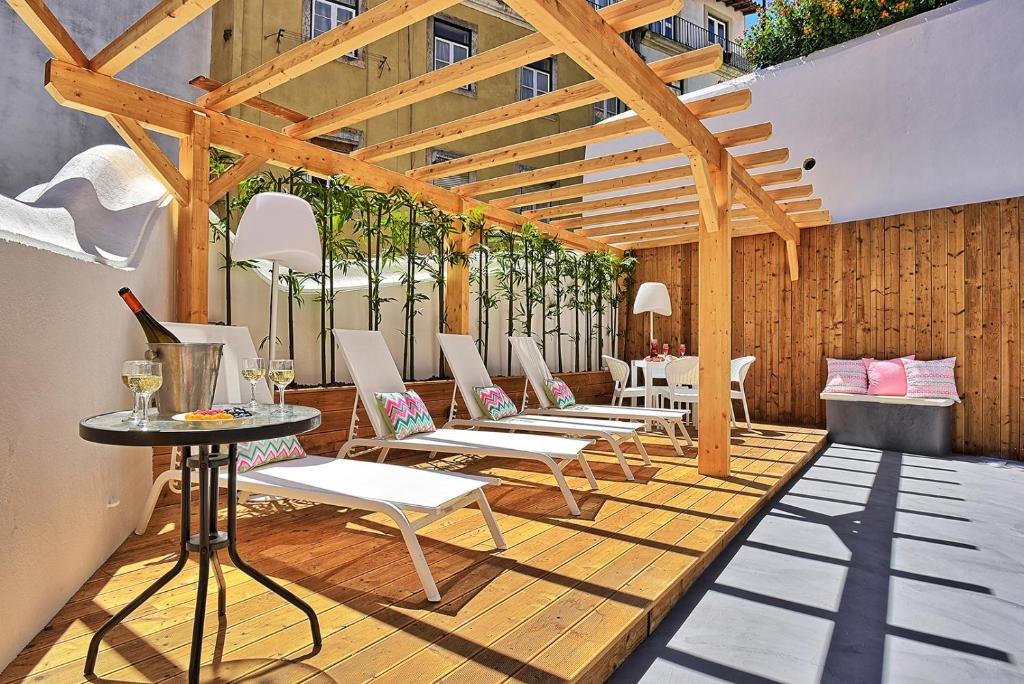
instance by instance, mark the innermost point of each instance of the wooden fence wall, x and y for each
(938, 283)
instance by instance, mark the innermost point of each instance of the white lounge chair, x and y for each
(373, 370)
(537, 373)
(395, 491)
(469, 371)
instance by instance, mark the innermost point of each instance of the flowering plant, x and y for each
(787, 29)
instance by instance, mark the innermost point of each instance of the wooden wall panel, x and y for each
(945, 282)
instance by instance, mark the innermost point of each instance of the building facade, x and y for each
(247, 33)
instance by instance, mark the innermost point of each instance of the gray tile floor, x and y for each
(871, 567)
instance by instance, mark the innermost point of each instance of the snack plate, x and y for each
(212, 424)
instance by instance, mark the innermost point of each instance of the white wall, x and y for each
(64, 335)
(921, 115)
(65, 332)
(40, 135)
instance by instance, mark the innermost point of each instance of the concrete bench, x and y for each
(915, 426)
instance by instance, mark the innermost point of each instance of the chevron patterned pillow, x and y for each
(405, 412)
(559, 393)
(932, 379)
(266, 451)
(494, 402)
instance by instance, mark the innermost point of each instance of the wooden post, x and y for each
(192, 277)
(457, 290)
(714, 331)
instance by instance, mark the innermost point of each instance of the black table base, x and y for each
(206, 542)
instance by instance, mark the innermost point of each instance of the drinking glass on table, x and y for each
(253, 370)
(143, 378)
(281, 372)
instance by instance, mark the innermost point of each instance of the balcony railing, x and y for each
(693, 37)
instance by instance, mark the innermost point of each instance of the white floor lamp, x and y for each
(652, 298)
(279, 228)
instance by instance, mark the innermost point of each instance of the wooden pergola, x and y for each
(712, 198)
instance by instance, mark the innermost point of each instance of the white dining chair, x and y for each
(739, 369)
(681, 388)
(620, 374)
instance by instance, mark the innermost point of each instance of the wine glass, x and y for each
(129, 370)
(253, 370)
(143, 378)
(281, 372)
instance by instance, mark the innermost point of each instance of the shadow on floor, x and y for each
(869, 567)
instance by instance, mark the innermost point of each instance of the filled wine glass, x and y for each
(143, 378)
(281, 372)
(253, 370)
(129, 370)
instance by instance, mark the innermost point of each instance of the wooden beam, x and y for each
(257, 103)
(558, 142)
(686, 233)
(642, 198)
(152, 156)
(705, 185)
(623, 16)
(736, 136)
(363, 29)
(88, 91)
(792, 260)
(598, 48)
(686, 65)
(155, 26)
(192, 276)
(598, 220)
(755, 197)
(48, 29)
(456, 302)
(714, 332)
(588, 39)
(242, 168)
(753, 160)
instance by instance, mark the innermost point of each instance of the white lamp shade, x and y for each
(652, 298)
(279, 227)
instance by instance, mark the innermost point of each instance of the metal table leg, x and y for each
(94, 644)
(206, 543)
(270, 584)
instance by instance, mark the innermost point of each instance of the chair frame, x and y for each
(453, 441)
(614, 433)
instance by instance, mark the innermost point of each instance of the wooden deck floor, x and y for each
(568, 600)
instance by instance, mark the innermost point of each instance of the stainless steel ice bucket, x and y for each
(190, 375)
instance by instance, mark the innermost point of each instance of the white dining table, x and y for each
(653, 370)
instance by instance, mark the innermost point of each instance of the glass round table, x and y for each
(203, 451)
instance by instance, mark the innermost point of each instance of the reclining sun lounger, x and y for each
(395, 491)
(538, 373)
(470, 373)
(373, 370)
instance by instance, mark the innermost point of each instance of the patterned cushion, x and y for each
(494, 402)
(559, 393)
(846, 376)
(405, 412)
(255, 454)
(932, 379)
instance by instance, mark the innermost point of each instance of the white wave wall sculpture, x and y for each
(102, 206)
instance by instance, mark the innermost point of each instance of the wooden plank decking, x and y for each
(567, 601)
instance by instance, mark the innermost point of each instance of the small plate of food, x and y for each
(216, 418)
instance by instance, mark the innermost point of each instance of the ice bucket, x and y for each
(190, 375)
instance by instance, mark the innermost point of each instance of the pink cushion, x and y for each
(887, 378)
(846, 376)
(932, 379)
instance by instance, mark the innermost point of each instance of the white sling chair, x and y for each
(373, 370)
(395, 491)
(537, 373)
(469, 371)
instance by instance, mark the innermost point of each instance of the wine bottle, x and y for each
(155, 332)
